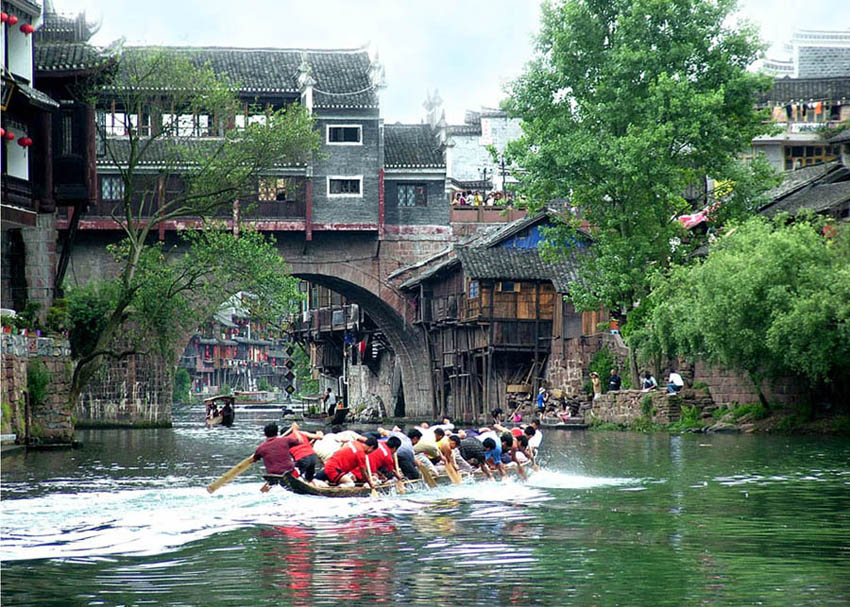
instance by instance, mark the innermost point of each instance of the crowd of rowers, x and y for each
(346, 458)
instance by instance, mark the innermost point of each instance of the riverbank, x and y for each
(694, 412)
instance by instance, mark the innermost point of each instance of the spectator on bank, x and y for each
(596, 383)
(614, 381)
(649, 382)
(675, 383)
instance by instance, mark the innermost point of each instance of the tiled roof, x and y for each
(842, 137)
(37, 97)
(164, 151)
(342, 76)
(786, 90)
(818, 198)
(67, 56)
(794, 180)
(411, 146)
(500, 263)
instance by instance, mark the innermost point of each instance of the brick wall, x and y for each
(568, 371)
(435, 213)
(40, 264)
(729, 387)
(347, 160)
(50, 422)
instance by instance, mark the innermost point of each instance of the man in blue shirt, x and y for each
(493, 455)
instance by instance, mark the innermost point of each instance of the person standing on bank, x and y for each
(614, 382)
(596, 383)
(330, 402)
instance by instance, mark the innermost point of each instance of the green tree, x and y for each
(771, 299)
(182, 384)
(163, 100)
(626, 104)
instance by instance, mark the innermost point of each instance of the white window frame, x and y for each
(330, 178)
(328, 128)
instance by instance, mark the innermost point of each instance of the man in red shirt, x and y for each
(382, 460)
(348, 458)
(274, 451)
(305, 457)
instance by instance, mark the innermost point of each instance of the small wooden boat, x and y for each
(216, 416)
(301, 487)
(339, 416)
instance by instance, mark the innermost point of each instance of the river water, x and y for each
(611, 519)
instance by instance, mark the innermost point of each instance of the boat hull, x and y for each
(297, 485)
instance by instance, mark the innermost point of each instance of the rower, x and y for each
(274, 451)
(405, 455)
(446, 451)
(510, 451)
(352, 456)
(427, 452)
(303, 453)
(493, 456)
(382, 460)
(471, 453)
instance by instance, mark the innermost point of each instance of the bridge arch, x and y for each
(386, 307)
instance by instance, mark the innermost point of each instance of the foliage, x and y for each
(700, 385)
(225, 390)
(38, 380)
(602, 362)
(28, 318)
(88, 308)
(263, 384)
(159, 292)
(182, 385)
(58, 316)
(753, 411)
(647, 408)
(771, 299)
(689, 420)
(306, 383)
(625, 106)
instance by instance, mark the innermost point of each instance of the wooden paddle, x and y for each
(399, 484)
(373, 493)
(453, 473)
(231, 474)
(426, 474)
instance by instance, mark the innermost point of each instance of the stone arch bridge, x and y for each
(357, 265)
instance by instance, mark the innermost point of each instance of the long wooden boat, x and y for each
(299, 486)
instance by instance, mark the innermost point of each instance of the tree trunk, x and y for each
(757, 378)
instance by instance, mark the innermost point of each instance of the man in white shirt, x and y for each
(675, 383)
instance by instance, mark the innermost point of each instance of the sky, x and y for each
(468, 50)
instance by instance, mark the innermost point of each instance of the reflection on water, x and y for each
(610, 519)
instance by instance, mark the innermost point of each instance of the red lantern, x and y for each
(25, 142)
(2, 132)
(9, 135)
(4, 17)
(27, 28)
(12, 20)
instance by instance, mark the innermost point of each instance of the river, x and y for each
(611, 519)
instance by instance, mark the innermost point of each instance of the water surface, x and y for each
(611, 519)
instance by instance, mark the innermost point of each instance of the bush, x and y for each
(646, 407)
(38, 379)
(757, 410)
(602, 363)
(58, 317)
(700, 385)
(182, 383)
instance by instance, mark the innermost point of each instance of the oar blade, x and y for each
(231, 474)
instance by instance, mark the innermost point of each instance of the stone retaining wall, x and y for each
(625, 407)
(729, 387)
(569, 370)
(134, 391)
(50, 421)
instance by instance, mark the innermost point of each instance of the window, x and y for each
(509, 287)
(272, 188)
(413, 195)
(111, 187)
(345, 186)
(473, 289)
(66, 145)
(798, 156)
(345, 134)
